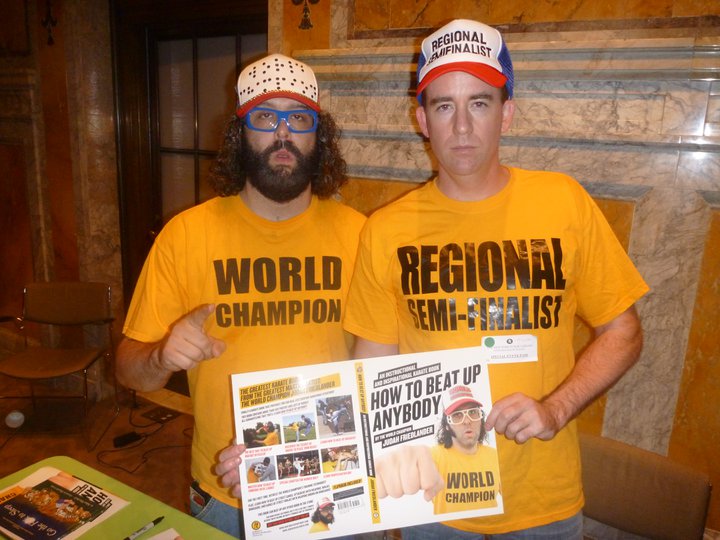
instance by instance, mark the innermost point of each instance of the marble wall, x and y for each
(57, 114)
(633, 112)
(387, 17)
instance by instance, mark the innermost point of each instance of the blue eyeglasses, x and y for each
(298, 121)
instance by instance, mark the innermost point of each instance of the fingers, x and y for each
(380, 485)
(406, 471)
(187, 344)
(199, 315)
(430, 480)
(228, 467)
(519, 418)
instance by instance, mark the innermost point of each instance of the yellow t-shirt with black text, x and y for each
(471, 480)
(279, 289)
(436, 273)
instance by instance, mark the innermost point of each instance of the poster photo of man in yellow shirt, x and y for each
(460, 473)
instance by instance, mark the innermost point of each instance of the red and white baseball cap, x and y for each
(469, 46)
(276, 75)
(325, 502)
(456, 396)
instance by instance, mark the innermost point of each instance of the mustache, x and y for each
(282, 145)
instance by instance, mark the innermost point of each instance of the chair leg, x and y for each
(116, 411)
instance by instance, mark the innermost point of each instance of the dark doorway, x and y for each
(164, 54)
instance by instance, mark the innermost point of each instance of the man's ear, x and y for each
(508, 111)
(422, 120)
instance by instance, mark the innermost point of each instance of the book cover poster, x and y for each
(348, 447)
(50, 503)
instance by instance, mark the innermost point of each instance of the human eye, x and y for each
(263, 118)
(266, 115)
(301, 118)
(479, 104)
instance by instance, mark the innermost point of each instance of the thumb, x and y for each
(199, 315)
(218, 347)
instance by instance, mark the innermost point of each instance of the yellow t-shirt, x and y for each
(279, 290)
(435, 273)
(471, 480)
(319, 526)
(271, 439)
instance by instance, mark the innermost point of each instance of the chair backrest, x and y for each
(642, 492)
(67, 302)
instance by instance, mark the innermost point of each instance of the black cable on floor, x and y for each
(143, 458)
(143, 437)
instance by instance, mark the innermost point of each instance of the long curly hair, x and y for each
(228, 175)
(445, 434)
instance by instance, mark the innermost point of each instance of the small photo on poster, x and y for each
(265, 433)
(339, 458)
(298, 464)
(299, 427)
(261, 469)
(336, 416)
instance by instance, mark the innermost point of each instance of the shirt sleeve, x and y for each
(608, 283)
(159, 298)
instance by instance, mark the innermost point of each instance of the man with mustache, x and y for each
(255, 278)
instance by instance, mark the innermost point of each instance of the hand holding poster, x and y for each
(372, 444)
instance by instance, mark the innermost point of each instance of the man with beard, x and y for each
(323, 516)
(460, 473)
(255, 278)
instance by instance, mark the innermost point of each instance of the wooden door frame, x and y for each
(135, 25)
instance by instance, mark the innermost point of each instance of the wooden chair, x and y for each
(641, 492)
(54, 307)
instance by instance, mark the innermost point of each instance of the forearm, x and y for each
(611, 354)
(364, 348)
(138, 365)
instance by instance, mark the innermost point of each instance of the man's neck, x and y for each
(476, 187)
(469, 450)
(273, 210)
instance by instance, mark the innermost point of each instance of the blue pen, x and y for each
(146, 528)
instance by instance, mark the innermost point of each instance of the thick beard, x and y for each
(327, 520)
(280, 184)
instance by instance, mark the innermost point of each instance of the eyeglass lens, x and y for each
(264, 119)
(458, 417)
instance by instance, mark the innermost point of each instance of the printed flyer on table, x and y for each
(363, 445)
(50, 503)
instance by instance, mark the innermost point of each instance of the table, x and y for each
(142, 508)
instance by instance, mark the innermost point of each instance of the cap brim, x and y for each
(243, 110)
(482, 71)
(452, 408)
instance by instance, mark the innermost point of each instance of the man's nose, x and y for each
(462, 124)
(282, 131)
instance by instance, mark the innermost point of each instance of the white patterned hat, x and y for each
(276, 76)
